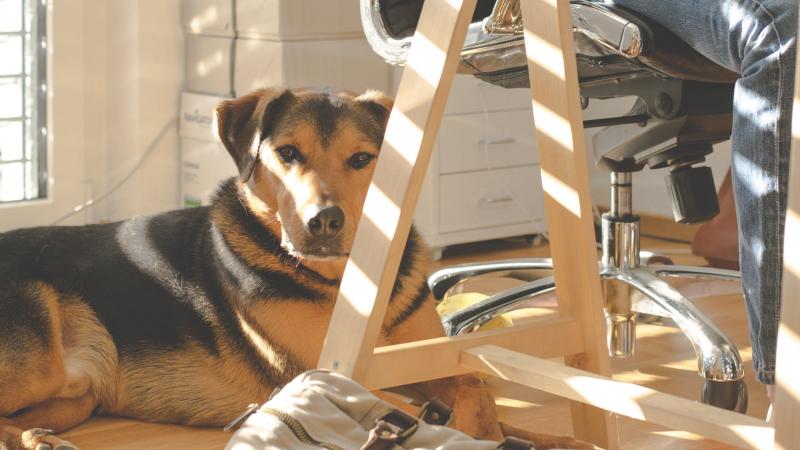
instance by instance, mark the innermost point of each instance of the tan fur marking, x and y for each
(38, 373)
(90, 354)
(58, 414)
(190, 387)
(297, 327)
(265, 348)
(378, 97)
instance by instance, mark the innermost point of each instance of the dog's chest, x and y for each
(294, 329)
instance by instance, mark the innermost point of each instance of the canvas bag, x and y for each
(322, 409)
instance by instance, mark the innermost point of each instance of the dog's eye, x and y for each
(289, 154)
(360, 160)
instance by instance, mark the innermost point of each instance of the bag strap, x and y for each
(392, 428)
(396, 426)
(512, 443)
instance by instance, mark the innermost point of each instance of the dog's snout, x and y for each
(326, 223)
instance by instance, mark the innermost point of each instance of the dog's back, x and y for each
(127, 272)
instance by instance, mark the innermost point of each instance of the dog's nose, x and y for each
(327, 222)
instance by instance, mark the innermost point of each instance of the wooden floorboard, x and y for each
(665, 361)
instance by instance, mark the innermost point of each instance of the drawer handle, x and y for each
(498, 141)
(495, 200)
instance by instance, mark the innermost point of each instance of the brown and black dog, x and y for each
(186, 316)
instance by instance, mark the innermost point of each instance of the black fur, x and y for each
(326, 112)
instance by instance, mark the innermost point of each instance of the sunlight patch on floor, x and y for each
(649, 331)
(638, 377)
(683, 364)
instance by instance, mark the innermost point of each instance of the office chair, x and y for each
(683, 106)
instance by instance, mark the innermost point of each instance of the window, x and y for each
(23, 100)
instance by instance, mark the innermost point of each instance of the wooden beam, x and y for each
(440, 357)
(630, 400)
(787, 373)
(389, 206)
(568, 202)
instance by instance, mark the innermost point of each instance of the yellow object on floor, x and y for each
(457, 302)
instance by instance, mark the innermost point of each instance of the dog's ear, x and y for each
(244, 122)
(378, 103)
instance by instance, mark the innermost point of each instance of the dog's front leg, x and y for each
(474, 411)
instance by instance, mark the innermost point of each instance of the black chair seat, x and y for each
(500, 59)
(663, 51)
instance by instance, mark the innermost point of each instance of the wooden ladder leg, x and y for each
(392, 196)
(787, 399)
(565, 179)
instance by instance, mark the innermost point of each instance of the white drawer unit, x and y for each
(483, 181)
(471, 95)
(480, 141)
(474, 200)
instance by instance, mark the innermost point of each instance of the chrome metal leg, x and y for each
(628, 289)
(444, 279)
(695, 272)
(473, 316)
(620, 232)
(719, 363)
(698, 282)
(717, 357)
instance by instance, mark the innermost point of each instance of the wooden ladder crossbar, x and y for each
(627, 399)
(430, 359)
(579, 334)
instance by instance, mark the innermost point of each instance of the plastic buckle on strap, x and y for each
(392, 428)
(400, 423)
(436, 412)
(512, 443)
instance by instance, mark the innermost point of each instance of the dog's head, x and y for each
(307, 157)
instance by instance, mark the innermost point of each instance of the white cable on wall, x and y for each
(142, 158)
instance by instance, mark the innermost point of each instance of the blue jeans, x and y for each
(755, 38)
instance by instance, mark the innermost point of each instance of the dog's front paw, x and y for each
(547, 441)
(12, 438)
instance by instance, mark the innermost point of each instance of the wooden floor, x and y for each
(665, 361)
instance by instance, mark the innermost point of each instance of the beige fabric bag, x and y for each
(321, 409)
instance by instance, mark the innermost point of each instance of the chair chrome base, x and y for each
(629, 288)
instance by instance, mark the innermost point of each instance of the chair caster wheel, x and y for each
(730, 395)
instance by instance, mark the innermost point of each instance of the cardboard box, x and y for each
(209, 64)
(208, 17)
(204, 161)
(340, 64)
(298, 19)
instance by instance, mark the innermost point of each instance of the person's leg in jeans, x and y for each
(755, 38)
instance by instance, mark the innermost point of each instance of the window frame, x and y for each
(65, 140)
(37, 129)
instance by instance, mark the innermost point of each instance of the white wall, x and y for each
(138, 59)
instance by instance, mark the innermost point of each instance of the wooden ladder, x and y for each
(518, 353)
